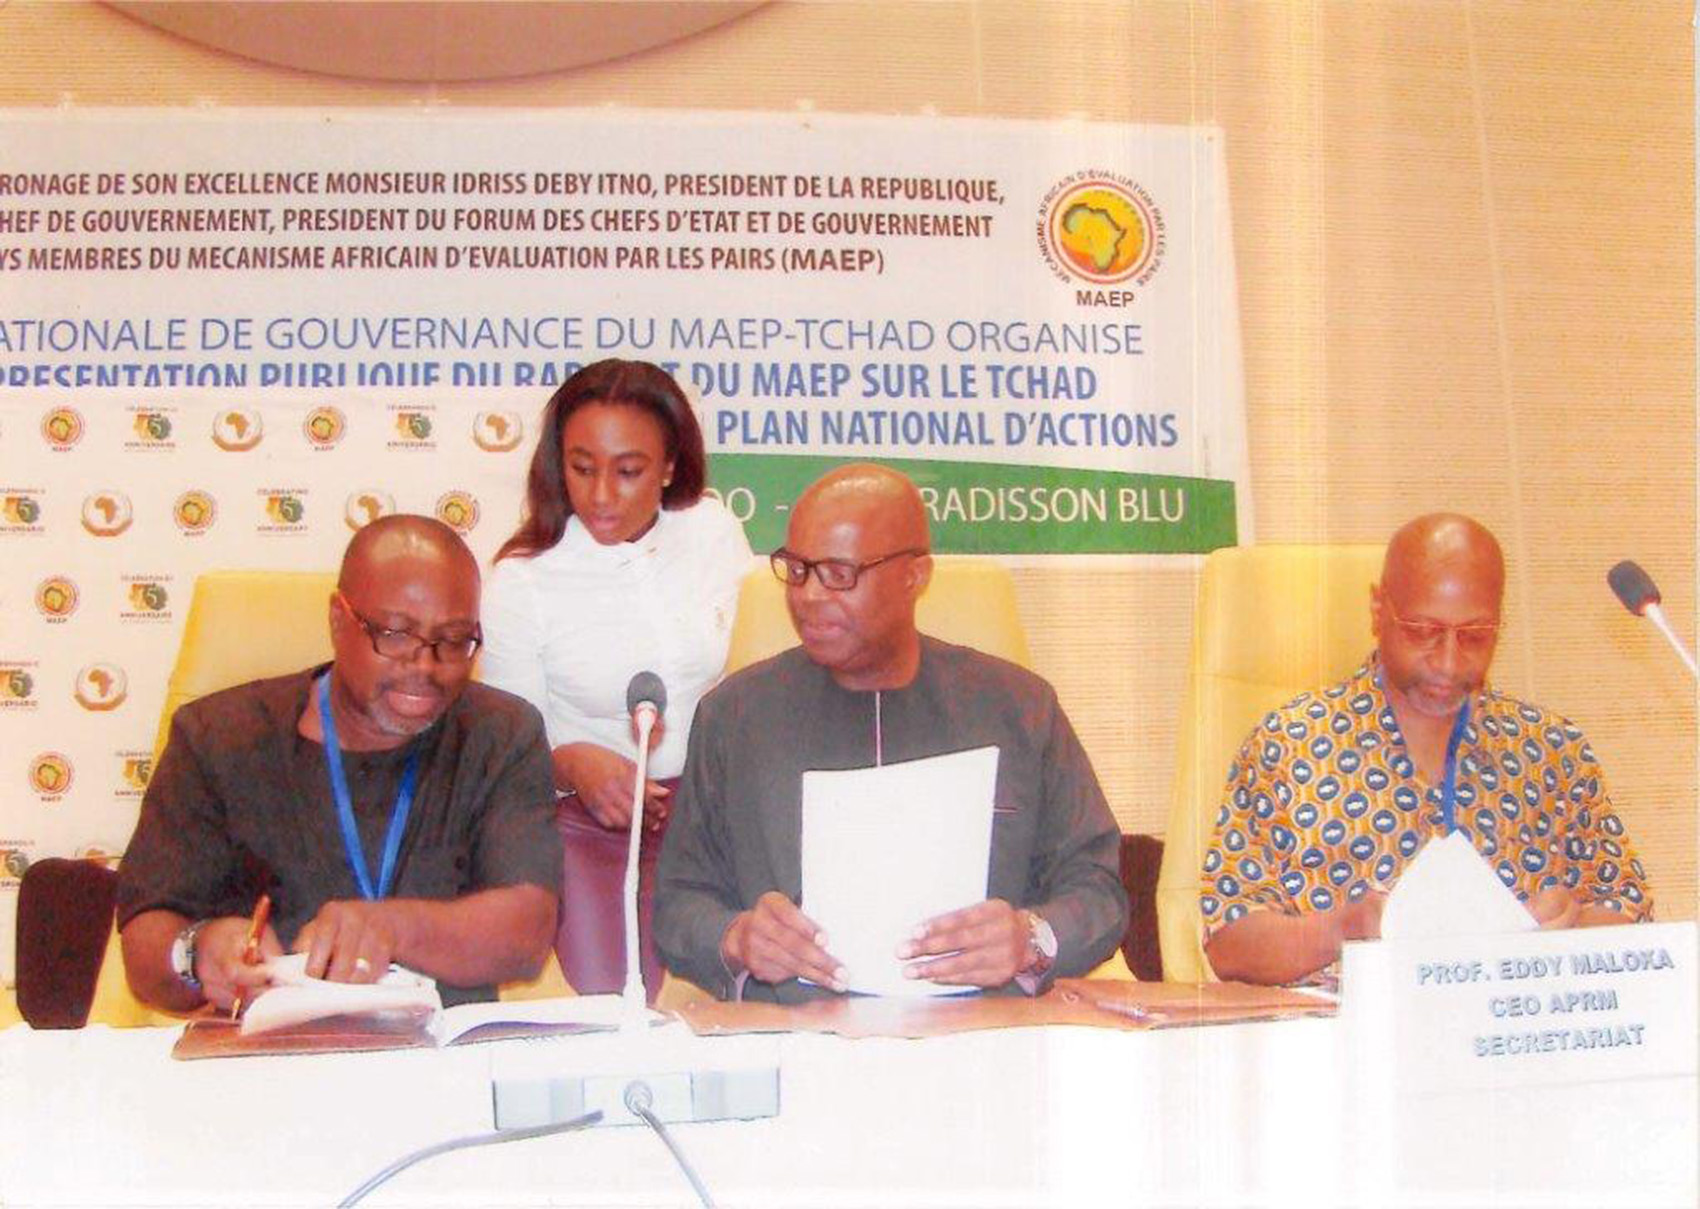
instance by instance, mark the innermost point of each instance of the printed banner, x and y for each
(228, 338)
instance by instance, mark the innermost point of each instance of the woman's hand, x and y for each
(603, 781)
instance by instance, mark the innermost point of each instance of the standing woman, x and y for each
(621, 565)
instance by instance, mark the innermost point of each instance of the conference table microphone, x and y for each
(1635, 588)
(646, 701)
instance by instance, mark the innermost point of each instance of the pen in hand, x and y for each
(251, 950)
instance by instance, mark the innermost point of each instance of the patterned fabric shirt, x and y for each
(1324, 803)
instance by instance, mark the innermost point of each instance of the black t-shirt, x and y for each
(241, 803)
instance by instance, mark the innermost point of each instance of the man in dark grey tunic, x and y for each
(866, 687)
(246, 801)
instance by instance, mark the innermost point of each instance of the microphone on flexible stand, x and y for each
(1635, 588)
(646, 701)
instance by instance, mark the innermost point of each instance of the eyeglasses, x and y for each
(835, 574)
(405, 645)
(1428, 636)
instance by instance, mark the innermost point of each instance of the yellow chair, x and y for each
(969, 601)
(1269, 623)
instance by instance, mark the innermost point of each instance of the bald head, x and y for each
(1443, 545)
(870, 497)
(422, 539)
(866, 525)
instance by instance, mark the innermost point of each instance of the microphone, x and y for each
(646, 701)
(1635, 588)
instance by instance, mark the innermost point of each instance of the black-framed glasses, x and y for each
(835, 574)
(1474, 638)
(405, 645)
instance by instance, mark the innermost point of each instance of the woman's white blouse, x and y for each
(568, 629)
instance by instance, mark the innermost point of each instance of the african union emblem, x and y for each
(50, 774)
(364, 507)
(497, 431)
(1102, 228)
(458, 510)
(106, 513)
(194, 511)
(62, 427)
(324, 426)
(56, 597)
(102, 686)
(237, 429)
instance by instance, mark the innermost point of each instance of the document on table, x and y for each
(887, 848)
(1450, 890)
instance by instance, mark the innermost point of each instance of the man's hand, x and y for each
(1554, 908)
(603, 781)
(351, 940)
(984, 946)
(1361, 919)
(218, 960)
(775, 941)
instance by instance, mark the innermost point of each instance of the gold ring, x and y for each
(361, 964)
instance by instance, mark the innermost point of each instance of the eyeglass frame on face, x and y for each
(376, 633)
(781, 562)
(1473, 637)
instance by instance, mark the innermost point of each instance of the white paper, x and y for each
(1449, 890)
(884, 849)
(592, 1012)
(294, 998)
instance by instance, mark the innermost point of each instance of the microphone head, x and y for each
(646, 688)
(1634, 587)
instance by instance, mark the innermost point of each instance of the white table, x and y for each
(1240, 1114)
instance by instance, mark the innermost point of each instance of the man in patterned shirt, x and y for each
(1333, 795)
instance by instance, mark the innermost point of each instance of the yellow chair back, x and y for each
(246, 625)
(969, 601)
(1269, 623)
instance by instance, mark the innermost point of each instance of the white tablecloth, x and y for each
(1243, 1114)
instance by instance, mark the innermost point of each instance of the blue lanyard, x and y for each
(345, 809)
(1449, 790)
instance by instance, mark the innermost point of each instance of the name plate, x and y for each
(1576, 1006)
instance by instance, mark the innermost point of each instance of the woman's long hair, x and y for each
(626, 384)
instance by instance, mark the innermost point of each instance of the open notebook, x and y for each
(401, 1010)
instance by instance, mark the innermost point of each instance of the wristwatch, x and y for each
(183, 953)
(1041, 944)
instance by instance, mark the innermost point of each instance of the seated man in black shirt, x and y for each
(393, 811)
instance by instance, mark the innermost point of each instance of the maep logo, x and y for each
(458, 510)
(324, 427)
(1101, 228)
(364, 507)
(194, 512)
(106, 513)
(56, 598)
(105, 854)
(50, 774)
(237, 429)
(62, 427)
(102, 686)
(497, 431)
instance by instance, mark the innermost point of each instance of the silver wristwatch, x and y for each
(183, 953)
(1041, 944)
